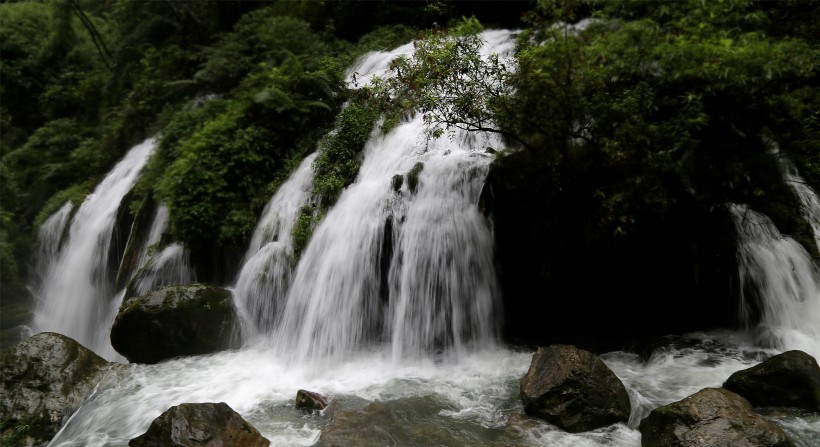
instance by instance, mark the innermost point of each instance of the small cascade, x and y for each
(75, 297)
(265, 275)
(168, 267)
(411, 266)
(158, 268)
(49, 238)
(780, 285)
(158, 226)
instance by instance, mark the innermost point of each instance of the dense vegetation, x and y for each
(638, 125)
(634, 130)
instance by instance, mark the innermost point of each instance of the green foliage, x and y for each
(48, 62)
(306, 221)
(43, 163)
(225, 154)
(655, 103)
(202, 186)
(385, 38)
(259, 37)
(75, 194)
(21, 42)
(338, 161)
(449, 81)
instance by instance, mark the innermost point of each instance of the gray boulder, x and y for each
(573, 390)
(200, 425)
(175, 321)
(44, 379)
(710, 417)
(790, 379)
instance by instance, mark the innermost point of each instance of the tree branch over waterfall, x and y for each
(451, 82)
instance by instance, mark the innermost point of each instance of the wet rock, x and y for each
(310, 401)
(413, 177)
(790, 379)
(573, 389)
(44, 379)
(396, 182)
(710, 417)
(175, 321)
(200, 425)
(374, 425)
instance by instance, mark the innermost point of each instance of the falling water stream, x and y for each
(395, 299)
(265, 276)
(75, 296)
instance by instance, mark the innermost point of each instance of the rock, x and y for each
(44, 379)
(310, 401)
(413, 177)
(175, 321)
(396, 182)
(373, 425)
(710, 417)
(790, 379)
(200, 425)
(573, 389)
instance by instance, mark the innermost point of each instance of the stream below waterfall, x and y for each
(434, 401)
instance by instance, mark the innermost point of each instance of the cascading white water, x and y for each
(157, 268)
(265, 275)
(158, 226)
(442, 292)
(75, 298)
(49, 237)
(168, 267)
(780, 281)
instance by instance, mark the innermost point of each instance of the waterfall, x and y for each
(158, 226)
(49, 238)
(265, 275)
(780, 284)
(167, 267)
(158, 268)
(75, 298)
(411, 268)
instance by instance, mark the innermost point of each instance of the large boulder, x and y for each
(200, 425)
(44, 379)
(790, 379)
(710, 417)
(175, 321)
(573, 389)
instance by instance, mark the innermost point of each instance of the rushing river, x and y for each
(439, 401)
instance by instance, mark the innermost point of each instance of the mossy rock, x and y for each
(710, 417)
(44, 379)
(202, 424)
(413, 177)
(175, 321)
